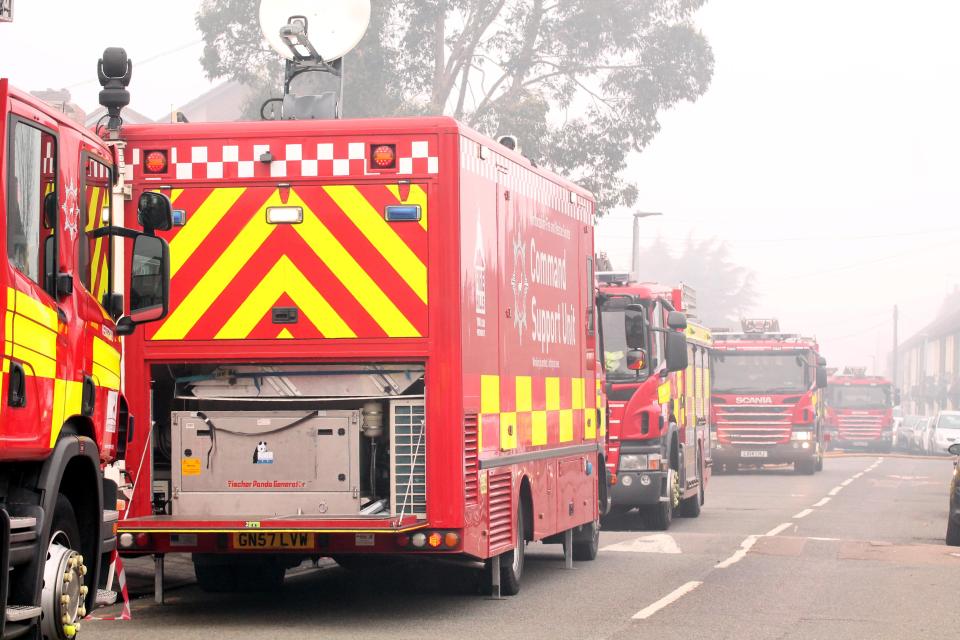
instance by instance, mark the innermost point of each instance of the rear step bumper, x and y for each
(170, 524)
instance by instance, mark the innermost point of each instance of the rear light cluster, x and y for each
(134, 540)
(429, 540)
(155, 162)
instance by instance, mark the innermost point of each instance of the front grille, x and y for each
(865, 427)
(500, 510)
(408, 463)
(766, 424)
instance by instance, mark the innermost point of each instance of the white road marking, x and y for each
(777, 530)
(857, 475)
(739, 554)
(846, 482)
(822, 502)
(803, 514)
(667, 600)
(656, 543)
(835, 491)
(824, 539)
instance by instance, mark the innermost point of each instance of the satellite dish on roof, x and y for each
(334, 27)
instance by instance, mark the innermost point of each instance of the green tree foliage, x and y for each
(725, 290)
(581, 82)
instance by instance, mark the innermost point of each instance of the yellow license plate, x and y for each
(272, 540)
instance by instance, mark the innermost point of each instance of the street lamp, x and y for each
(635, 263)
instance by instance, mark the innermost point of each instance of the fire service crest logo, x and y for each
(71, 210)
(520, 284)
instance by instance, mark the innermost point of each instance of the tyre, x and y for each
(586, 542)
(232, 574)
(820, 461)
(64, 592)
(690, 507)
(511, 562)
(953, 533)
(660, 516)
(807, 466)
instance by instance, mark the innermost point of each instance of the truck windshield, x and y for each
(948, 421)
(760, 373)
(615, 348)
(859, 397)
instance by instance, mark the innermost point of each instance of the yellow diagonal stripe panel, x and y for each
(416, 196)
(215, 280)
(200, 226)
(284, 277)
(381, 235)
(370, 296)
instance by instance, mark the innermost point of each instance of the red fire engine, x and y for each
(658, 450)
(859, 410)
(61, 409)
(766, 398)
(381, 340)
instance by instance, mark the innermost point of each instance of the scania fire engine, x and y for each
(61, 411)
(658, 452)
(766, 398)
(859, 410)
(381, 341)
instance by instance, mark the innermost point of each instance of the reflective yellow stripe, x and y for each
(370, 296)
(215, 280)
(381, 235)
(106, 365)
(284, 277)
(538, 434)
(566, 425)
(663, 393)
(576, 393)
(35, 337)
(37, 364)
(35, 310)
(508, 431)
(416, 196)
(202, 223)
(67, 402)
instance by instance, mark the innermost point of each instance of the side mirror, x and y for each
(154, 212)
(635, 326)
(821, 361)
(954, 449)
(821, 377)
(636, 360)
(149, 279)
(896, 397)
(676, 320)
(50, 210)
(676, 351)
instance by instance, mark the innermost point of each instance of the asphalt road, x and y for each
(853, 552)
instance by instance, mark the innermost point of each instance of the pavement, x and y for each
(853, 552)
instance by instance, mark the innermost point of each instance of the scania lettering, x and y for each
(62, 416)
(766, 398)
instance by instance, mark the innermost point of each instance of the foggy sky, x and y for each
(825, 151)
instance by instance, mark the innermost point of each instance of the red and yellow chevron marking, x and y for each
(349, 272)
(95, 201)
(536, 411)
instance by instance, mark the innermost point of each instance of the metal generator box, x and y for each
(271, 463)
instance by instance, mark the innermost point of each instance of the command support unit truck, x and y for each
(658, 449)
(766, 398)
(381, 340)
(61, 409)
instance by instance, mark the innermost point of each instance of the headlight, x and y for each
(802, 435)
(633, 462)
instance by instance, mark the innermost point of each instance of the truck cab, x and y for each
(62, 415)
(859, 410)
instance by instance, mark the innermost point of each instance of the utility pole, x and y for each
(893, 365)
(635, 255)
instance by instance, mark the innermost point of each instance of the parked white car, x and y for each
(946, 431)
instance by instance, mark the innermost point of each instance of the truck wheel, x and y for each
(953, 533)
(690, 507)
(820, 461)
(511, 562)
(62, 600)
(660, 516)
(586, 542)
(807, 466)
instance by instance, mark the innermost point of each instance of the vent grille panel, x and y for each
(408, 445)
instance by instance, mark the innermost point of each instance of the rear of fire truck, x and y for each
(657, 386)
(859, 410)
(767, 398)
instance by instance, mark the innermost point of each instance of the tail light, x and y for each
(383, 156)
(155, 162)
